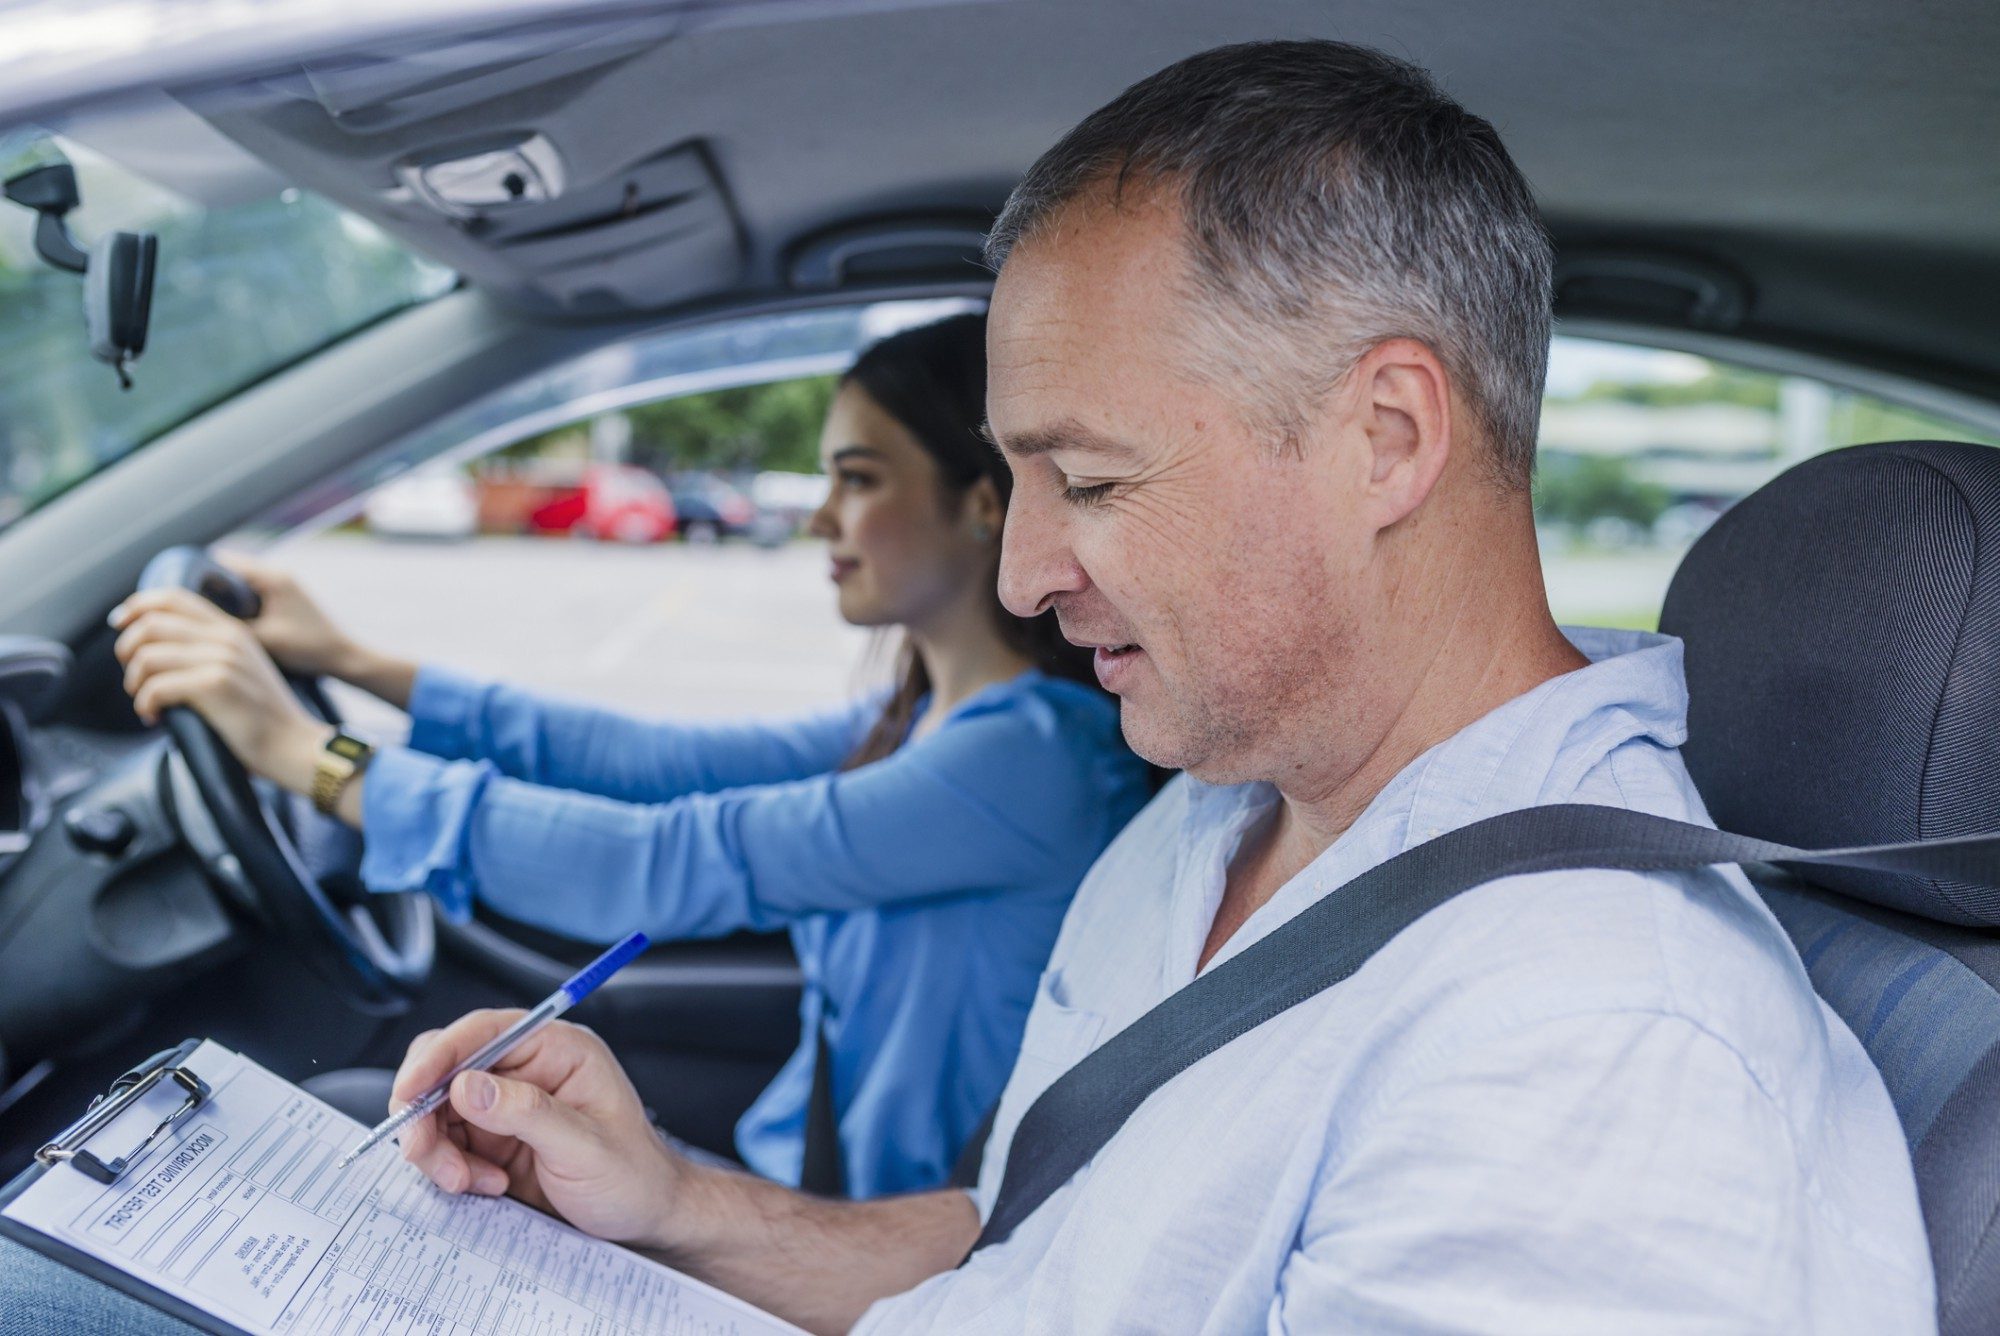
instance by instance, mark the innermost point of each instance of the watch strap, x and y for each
(342, 758)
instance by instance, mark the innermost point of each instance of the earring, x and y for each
(982, 533)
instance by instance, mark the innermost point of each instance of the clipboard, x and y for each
(201, 1170)
(74, 1146)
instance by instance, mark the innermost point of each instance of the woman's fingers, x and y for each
(156, 657)
(179, 686)
(252, 572)
(151, 627)
(184, 602)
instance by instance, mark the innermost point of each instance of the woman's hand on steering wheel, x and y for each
(180, 649)
(308, 643)
(289, 625)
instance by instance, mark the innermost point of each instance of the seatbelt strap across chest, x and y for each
(1083, 1109)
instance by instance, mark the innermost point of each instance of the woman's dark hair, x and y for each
(933, 381)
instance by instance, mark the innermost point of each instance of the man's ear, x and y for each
(1402, 407)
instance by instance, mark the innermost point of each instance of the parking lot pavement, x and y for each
(1610, 588)
(727, 630)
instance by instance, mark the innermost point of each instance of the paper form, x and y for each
(241, 1213)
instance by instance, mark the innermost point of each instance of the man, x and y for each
(1267, 348)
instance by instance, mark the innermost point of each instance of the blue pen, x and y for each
(562, 999)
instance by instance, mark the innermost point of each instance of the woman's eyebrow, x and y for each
(1063, 434)
(854, 452)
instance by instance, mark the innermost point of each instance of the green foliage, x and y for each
(1576, 489)
(1858, 418)
(749, 427)
(1719, 385)
(240, 292)
(774, 426)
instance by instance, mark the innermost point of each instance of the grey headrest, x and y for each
(1843, 661)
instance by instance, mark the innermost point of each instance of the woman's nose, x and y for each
(820, 524)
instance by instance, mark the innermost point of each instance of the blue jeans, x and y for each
(39, 1297)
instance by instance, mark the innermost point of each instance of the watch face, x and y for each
(351, 748)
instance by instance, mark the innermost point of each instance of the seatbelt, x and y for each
(1084, 1108)
(965, 1170)
(820, 1172)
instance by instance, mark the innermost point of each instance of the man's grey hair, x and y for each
(1333, 197)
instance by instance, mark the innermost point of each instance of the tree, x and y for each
(1718, 385)
(1576, 489)
(774, 426)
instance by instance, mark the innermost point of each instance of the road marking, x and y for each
(628, 635)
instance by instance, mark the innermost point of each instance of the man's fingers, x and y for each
(441, 1159)
(506, 1107)
(420, 1137)
(435, 1052)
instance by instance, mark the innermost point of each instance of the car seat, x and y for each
(1842, 633)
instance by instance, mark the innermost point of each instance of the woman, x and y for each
(920, 848)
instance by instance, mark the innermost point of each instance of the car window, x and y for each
(241, 292)
(1642, 448)
(627, 528)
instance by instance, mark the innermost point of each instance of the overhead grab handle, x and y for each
(1696, 293)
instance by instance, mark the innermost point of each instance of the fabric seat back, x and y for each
(1842, 631)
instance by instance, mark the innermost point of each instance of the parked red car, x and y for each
(614, 503)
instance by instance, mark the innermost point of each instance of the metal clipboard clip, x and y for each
(126, 1091)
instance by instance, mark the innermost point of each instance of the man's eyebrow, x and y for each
(1064, 434)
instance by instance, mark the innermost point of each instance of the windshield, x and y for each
(241, 291)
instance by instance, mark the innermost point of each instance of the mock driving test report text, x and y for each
(241, 1213)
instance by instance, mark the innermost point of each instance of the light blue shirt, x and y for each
(1581, 1102)
(922, 892)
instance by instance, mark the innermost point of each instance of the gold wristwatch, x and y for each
(343, 757)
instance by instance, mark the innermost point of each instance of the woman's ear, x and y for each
(983, 512)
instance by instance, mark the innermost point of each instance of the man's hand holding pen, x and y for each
(556, 1123)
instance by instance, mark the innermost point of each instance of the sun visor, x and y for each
(383, 91)
(532, 212)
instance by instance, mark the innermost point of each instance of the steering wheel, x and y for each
(376, 950)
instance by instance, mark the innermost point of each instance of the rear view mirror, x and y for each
(118, 297)
(117, 271)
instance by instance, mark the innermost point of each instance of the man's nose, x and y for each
(1036, 562)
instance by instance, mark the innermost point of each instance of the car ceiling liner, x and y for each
(522, 206)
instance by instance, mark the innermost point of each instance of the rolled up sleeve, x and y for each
(415, 811)
(570, 745)
(954, 813)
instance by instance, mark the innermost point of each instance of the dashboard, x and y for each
(31, 669)
(16, 802)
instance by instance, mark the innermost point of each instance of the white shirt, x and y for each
(1582, 1102)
